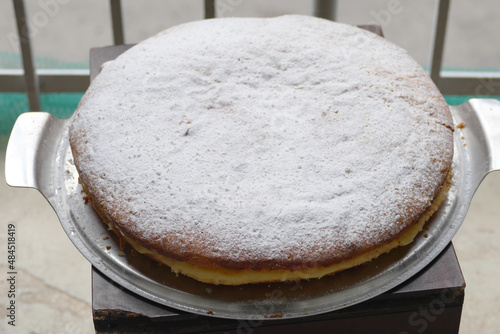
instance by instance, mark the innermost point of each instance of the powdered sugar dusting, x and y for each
(285, 139)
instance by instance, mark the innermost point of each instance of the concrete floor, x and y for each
(54, 279)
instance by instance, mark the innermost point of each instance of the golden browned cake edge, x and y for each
(224, 276)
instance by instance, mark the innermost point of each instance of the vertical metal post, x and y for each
(30, 75)
(209, 9)
(438, 38)
(117, 22)
(326, 9)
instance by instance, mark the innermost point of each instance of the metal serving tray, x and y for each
(38, 156)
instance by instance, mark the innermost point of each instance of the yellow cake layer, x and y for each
(239, 277)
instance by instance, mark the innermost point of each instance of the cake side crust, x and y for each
(295, 158)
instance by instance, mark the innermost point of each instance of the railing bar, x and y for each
(486, 86)
(477, 75)
(209, 9)
(53, 81)
(326, 9)
(30, 76)
(471, 74)
(49, 83)
(438, 39)
(117, 22)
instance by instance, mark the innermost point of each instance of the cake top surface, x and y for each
(291, 140)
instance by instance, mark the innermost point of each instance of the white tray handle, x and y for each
(488, 113)
(23, 153)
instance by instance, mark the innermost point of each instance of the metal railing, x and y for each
(35, 81)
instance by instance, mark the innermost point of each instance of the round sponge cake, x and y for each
(245, 150)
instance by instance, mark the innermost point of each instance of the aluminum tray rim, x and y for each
(38, 156)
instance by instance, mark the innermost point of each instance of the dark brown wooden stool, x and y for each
(430, 302)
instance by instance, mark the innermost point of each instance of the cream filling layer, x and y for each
(225, 276)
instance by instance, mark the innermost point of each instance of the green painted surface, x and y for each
(61, 105)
